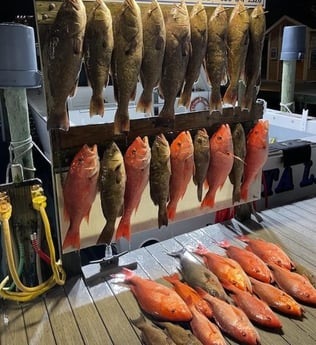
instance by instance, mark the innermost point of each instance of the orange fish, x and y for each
(268, 252)
(204, 329)
(295, 284)
(226, 269)
(249, 261)
(189, 294)
(137, 165)
(182, 169)
(158, 300)
(256, 309)
(79, 191)
(276, 298)
(221, 163)
(232, 320)
(257, 149)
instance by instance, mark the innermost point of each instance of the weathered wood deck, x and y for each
(99, 312)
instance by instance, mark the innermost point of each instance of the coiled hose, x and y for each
(58, 277)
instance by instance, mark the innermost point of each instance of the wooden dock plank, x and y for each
(12, 327)
(63, 322)
(92, 328)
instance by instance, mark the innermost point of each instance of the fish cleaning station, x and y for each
(150, 195)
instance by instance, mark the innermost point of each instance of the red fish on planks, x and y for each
(137, 165)
(182, 169)
(256, 309)
(79, 191)
(276, 298)
(63, 52)
(295, 284)
(257, 149)
(189, 294)
(221, 163)
(158, 300)
(204, 329)
(268, 252)
(232, 320)
(251, 263)
(227, 270)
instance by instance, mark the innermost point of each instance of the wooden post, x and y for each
(18, 118)
(288, 85)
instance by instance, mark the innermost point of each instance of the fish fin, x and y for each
(173, 278)
(162, 217)
(72, 239)
(96, 105)
(171, 211)
(230, 96)
(236, 195)
(144, 104)
(185, 97)
(121, 122)
(215, 102)
(58, 122)
(200, 191)
(133, 94)
(107, 233)
(209, 200)
(123, 230)
(244, 192)
(74, 89)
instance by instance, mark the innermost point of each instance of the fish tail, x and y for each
(185, 97)
(236, 194)
(209, 200)
(72, 239)
(57, 121)
(215, 101)
(96, 105)
(123, 230)
(199, 191)
(171, 210)
(230, 96)
(162, 217)
(244, 190)
(173, 278)
(107, 233)
(121, 122)
(144, 104)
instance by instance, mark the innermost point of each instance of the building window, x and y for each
(313, 59)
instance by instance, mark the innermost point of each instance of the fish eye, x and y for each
(219, 137)
(134, 151)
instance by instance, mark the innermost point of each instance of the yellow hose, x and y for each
(27, 293)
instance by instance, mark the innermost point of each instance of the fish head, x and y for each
(113, 156)
(221, 140)
(138, 153)
(161, 147)
(201, 139)
(258, 135)
(86, 162)
(182, 146)
(239, 18)
(258, 21)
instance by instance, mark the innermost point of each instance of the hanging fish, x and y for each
(201, 159)
(176, 58)
(63, 52)
(198, 27)
(156, 299)
(98, 47)
(79, 192)
(257, 28)
(237, 172)
(112, 182)
(137, 165)
(257, 150)
(154, 41)
(182, 164)
(216, 56)
(126, 60)
(237, 42)
(159, 177)
(221, 163)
